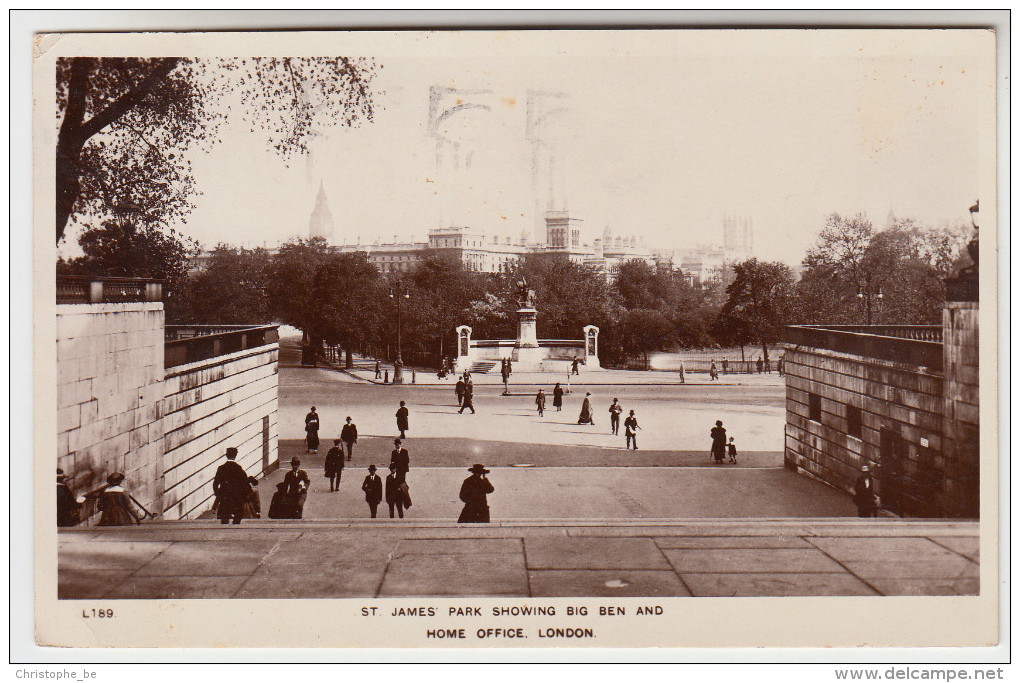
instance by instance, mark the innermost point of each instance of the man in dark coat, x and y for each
(394, 496)
(472, 494)
(864, 494)
(614, 416)
(349, 435)
(297, 482)
(718, 435)
(231, 488)
(312, 431)
(573, 366)
(334, 465)
(373, 488)
(460, 391)
(68, 507)
(400, 461)
(378, 372)
(558, 397)
(630, 427)
(469, 398)
(402, 420)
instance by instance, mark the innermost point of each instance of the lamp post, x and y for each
(865, 294)
(398, 291)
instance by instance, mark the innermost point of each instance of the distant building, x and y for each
(320, 223)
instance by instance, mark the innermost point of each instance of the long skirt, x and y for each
(474, 513)
(313, 440)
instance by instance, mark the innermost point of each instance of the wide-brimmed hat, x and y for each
(371, 468)
(295, 460)
(478, 469)
(115, 478)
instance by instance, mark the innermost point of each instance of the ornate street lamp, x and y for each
(399, 291)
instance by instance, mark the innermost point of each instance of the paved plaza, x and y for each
(304, 559)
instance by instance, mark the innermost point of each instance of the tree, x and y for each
(442, 294)
(126, 250)
(760, 303)
(687, 308)
(233, 289)
(126, 125)
(292, 288)
(345, 307)
(644, 330)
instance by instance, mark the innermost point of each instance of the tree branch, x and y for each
(128, 100)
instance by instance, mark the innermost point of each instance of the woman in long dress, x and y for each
(472, 494)
(587, 416)
(718, 434)
(116, 504)
(558, 397)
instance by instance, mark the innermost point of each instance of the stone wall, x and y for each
(899, 403)
(109, 394)
(960, 348)
(230, 400)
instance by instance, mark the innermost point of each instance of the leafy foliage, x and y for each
(761, 302)
(233, 289)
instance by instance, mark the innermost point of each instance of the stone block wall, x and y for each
(904, 400)
(960, 349)
(230, 400)
(109, 395)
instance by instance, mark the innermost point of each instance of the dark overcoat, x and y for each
(231, 488)
(334, 461)
(718, 442)
(372, 486)
(558, 397)
(472, 494)
(402, 419)
(116, 507)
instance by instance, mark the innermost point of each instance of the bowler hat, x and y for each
(371, 468)
(295, 460)
(393, 466)
(478, 469)
(231, 453)
(115, 478)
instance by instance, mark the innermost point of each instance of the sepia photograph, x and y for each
(517, 338)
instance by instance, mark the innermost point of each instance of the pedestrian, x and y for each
(373, 488)
(864, 494)
(472, 494)
(394, 496)
(540, 402)
(312, 431)
(587, 417)
(558, 397)
(459, 388)
(231, 487)
(713, 373)
(509, 366)
(779, 365)
(718, 434)
(469, 398)
(402, 420)
(725, 366)
(400, 459)
(296, 491)
(378, 370)
(760, 364)
(630, 427)
(573, 367)
(116, 504)
(681, 369)
(252, 508)
(614, 415)
(506, 378)
(731, 450)
(334, 465)
(279, 507)
(68, 506)
(349, 437)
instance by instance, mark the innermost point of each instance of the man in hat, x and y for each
(297, 484)
(394, 496)
(864, 494)
(334, 465)
(349, 435)
(373, 488)
(402, 420)
(231, 488)
(459, 388)
(468, 400)
(68, 507)
(614, 416)
(630, 427)
(400, 461)
(472, 494)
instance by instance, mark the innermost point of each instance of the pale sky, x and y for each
(669, 132)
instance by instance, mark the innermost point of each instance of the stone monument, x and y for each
(526, 349)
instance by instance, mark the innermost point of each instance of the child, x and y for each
(731, 450)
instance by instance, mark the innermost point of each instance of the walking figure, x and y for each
(540, 402)
(558, 397)
(713, 373)
(334, 465)
(505, 372)
(296, 487)
(394, 496)
(864, 494)
(614, 415)
(630, 427)
(312, 431)
(681, 369)
(231, 488)
(402, 420)
(472, 494)
(459, 388)
(116, 504)
(378, 370)
(761, 365)
(731, 450)
(400, 461)
(469, 398)
(725, 366)
(573, 366)
(252, 508)
(718, 442)
(779, 365)
(68, 506)
(349, 437)
(373, 488)
(587, 416)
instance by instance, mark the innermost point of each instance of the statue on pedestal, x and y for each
(525, 295)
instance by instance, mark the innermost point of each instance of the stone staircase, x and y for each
(481, 367)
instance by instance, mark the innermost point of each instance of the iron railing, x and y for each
(192, 343)
(88, 289)
(860, 340)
